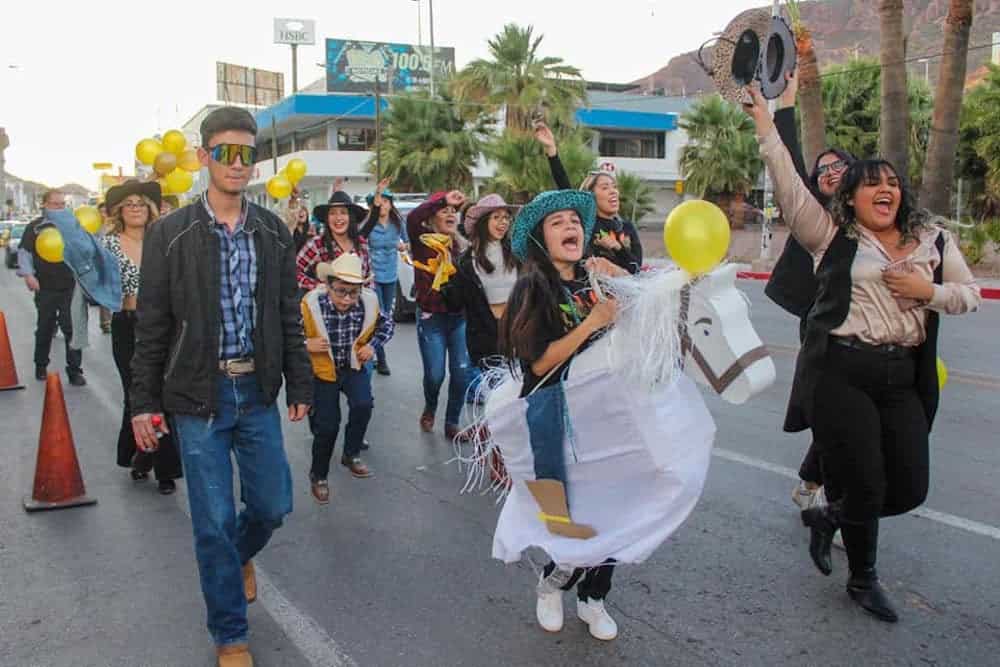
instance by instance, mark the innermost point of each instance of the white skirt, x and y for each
(636, 464)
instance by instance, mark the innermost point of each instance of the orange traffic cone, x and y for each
(8, 371)
(58, 482)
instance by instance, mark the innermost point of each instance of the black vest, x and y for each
(829, 310)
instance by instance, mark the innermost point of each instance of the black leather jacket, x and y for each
(177, 334)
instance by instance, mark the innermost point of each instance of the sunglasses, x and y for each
(227, 154)
(839, 165)
(345, 293)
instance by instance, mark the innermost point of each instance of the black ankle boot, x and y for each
(861, 544)
(822, 523)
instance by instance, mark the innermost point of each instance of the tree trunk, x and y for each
(894, 134)
(810, 98)
(939, 167)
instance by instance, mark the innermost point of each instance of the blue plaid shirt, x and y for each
(343, 328)
(238, 285)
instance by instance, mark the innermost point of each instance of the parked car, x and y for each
(13, 242)
(5, 227)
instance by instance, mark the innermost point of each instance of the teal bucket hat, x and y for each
(538, 208)
(387, 194)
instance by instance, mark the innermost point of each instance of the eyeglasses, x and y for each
(839, 165)
(227, 154)
(134, 204)
(345, 293)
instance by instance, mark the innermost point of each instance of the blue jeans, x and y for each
(442, 342)
(386, 293)
(546, 417)
(244, 425)
(324, 420)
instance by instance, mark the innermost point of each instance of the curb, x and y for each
(987, 292)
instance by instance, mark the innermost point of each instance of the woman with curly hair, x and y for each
(884, 273)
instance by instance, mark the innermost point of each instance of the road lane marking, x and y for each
(308, 636)
(968, 525)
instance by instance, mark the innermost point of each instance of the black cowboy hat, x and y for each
(340, 198)
(117, 194)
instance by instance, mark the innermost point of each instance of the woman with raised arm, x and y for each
(615, 238)
(884, 273)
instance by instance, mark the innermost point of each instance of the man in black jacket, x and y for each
(52, 284)
(218, 325)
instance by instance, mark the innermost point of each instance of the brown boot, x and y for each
(249, 581)
(550, 494)
(234, 655)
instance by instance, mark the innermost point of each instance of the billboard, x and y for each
(352, 66)
(236, 84)
(294, 31)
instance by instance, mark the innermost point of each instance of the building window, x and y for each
(650, 145)
(312, 140)
(356, 138)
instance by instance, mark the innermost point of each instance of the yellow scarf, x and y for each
(439, 266)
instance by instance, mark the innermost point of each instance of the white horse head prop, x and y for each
(721, 348)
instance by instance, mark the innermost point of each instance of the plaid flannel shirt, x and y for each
(316, 251)
(238, 282)
(343, 328)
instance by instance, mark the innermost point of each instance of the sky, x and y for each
(83, 82)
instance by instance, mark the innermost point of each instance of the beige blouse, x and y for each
(874, 315)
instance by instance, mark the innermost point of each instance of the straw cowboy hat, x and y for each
(484, 207)
(541, 206)
(754, 47)
(347, 268)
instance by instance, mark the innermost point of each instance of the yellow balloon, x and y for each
(49, 245)
(164, 163)
(188, 160)
(279, 187)
(174, 142)
(696, 234)
(164, 187)
(147, 150)
(295, 170)
(942, 373)
(178, 181)
(89, 218)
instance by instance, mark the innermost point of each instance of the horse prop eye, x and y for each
(704, 326)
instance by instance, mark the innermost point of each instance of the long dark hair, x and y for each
(480, 239)
(353, 231)
(814, 175)
(909, 219)
(537, 311)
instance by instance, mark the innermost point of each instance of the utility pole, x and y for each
(378, 131)
(295, 68)
(431, 3)
(274, 144)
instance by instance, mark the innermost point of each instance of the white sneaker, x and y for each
(549, 608)
(838, 540)
(805, 497)
(593, 613)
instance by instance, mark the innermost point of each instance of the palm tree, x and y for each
(522, 170)
(635, 197)
(979, 149)
(939, 167)
(894, 131)
(520, 80)
(721, 160)
(810, 87)
(427, 146)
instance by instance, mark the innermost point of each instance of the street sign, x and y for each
(353, 66)
(294, 31)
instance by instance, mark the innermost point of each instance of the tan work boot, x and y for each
(234, 655)
(550, 494)
(249, 581)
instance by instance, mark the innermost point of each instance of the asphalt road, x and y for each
(396, 570)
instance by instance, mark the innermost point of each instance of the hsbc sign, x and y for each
(294, 31)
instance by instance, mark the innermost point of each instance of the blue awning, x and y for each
(344, 106)
(616, 119)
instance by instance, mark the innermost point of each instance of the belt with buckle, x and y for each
(236, 367)
(855, 343)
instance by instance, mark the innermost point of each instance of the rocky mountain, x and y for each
(842, 29)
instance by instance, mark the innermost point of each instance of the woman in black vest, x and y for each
(870, 348)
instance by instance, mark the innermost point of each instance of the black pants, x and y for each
(166, 460)
(811, 469)
(873, 433)
(592, 583)
(54, 310)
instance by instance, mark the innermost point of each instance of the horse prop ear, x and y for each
(724, 277)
